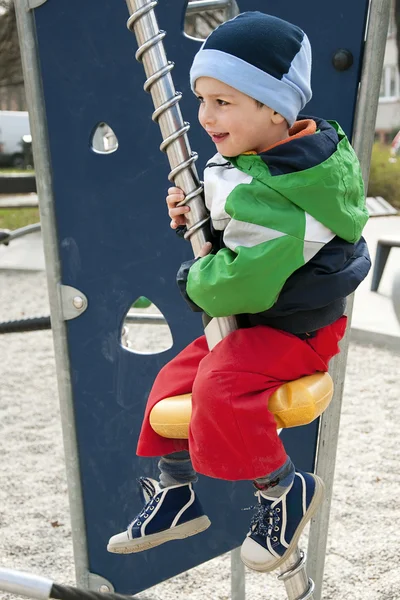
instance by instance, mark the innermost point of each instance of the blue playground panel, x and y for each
(116, 245)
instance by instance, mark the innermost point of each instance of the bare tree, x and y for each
(10, 60)
(12, 95)
(10, 64)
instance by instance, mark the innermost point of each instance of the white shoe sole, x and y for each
(312, 509)
(179, 532)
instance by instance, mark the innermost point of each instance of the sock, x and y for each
(275, 484)
(176, 469)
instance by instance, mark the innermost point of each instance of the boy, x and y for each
(286, 200)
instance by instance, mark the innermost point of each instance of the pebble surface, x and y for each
(363, 552)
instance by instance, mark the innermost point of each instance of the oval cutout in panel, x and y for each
(103, 139)
(145, 330)
(203, 16)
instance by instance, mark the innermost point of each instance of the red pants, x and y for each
(232, 433)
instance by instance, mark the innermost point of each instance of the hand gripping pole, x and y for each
(143, 23)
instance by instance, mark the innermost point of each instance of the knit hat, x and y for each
(262, 56)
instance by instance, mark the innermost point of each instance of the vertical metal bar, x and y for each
(368, 99)
(238, 576)
(37, 118)
(364, 129)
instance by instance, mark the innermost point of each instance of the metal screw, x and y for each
(104, 589)
(78, 302)
(342, 59)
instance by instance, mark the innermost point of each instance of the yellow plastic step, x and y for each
(295, 403)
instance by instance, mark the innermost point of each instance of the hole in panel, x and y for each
(145, 330)
(203, 16)
(103, 139)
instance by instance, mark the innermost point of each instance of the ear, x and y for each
(277, 119)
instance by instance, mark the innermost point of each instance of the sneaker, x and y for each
(171, 513)
(276, 526)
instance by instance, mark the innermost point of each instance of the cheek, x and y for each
(254, 129)
(241, 129)
(199, 116)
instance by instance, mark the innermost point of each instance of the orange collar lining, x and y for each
(299, 129)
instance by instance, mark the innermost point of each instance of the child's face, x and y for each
(234, 121)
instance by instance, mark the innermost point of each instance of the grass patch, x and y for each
(14, 218)
(5, 171)
(384, 179)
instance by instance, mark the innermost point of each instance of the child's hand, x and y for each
(206, 249)
(177, 214)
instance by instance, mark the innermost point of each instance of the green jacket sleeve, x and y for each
(248, 276)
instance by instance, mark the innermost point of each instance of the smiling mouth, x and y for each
(218, 137)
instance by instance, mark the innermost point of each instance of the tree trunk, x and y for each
(12, 96)
(10, 60)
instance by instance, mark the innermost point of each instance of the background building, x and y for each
(388, 117)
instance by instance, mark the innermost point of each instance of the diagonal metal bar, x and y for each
(175, 144)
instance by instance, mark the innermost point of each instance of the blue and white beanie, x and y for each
(262, 56)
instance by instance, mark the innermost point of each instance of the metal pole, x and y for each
(25, 584)
(196, 6)
(238, 579)
(17, 233)
(363, 137)
(40, 144)
(143, 23)
(294, 575)
(174, 133)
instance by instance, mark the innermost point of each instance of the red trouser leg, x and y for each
(232, 434)
(174, 379)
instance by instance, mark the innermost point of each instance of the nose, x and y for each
(206, 115)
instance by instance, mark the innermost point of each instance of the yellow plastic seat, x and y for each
(295, 403)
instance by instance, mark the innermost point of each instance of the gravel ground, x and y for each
(364, 546)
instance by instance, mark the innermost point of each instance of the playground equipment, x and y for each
(102, 385)
(383, 249)
(42, 588)
(174, 132)
(396, 295)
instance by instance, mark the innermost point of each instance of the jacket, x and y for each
(287, 227)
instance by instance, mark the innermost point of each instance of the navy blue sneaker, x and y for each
(171, 513)
(277, 524)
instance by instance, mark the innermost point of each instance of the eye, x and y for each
(200, 99)
(222, 102)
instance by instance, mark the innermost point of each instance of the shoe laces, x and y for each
(147, 487)
(150, 491)
(264, 519)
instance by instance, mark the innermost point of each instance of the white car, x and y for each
(14, 130)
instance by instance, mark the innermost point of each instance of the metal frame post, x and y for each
(363, 137)
(41, 152)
